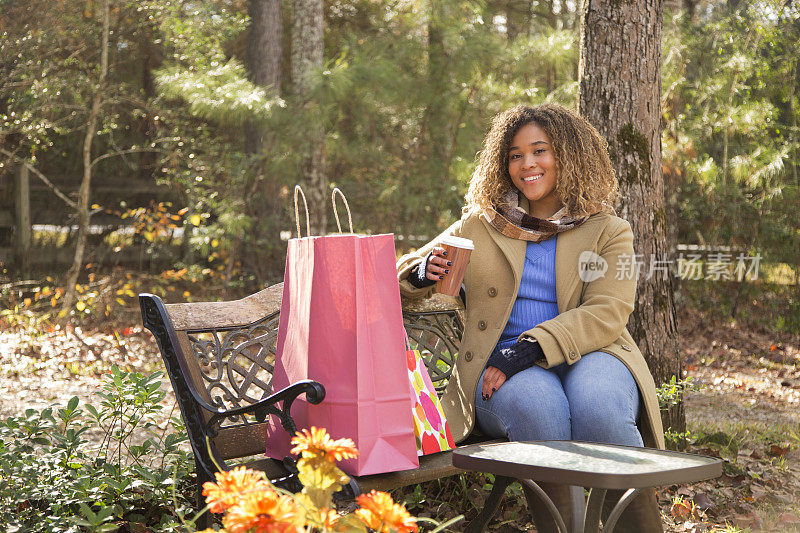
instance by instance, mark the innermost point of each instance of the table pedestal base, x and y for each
(590, 522)
(479, 523)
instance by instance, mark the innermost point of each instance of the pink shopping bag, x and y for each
(431, 430)
(341, 324)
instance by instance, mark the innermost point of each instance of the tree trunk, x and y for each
(22, 204)
(83, 194)
(795, 161)
(567, 16)
(620, 94)
(264, 52)
(307, 50)
(151, 60)
(518, 18)
(690, 6)
(437, 112)
(434, 186)
(262, 256)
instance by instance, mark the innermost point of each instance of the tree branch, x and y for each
(122, 152)
(24, 283)
(42, 177)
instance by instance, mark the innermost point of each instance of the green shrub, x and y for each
(54, 478)
(673, 391)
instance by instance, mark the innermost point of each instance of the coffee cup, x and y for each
(458, 251)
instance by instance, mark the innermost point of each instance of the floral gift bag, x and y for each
(430, 426)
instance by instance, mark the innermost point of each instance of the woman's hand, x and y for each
(438, 264)
(492, 379)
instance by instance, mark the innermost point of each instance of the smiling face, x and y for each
(533, 170)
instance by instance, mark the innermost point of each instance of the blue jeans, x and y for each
(595, 399)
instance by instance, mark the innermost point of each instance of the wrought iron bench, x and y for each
(220, 356)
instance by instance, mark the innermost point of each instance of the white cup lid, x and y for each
(458, 242)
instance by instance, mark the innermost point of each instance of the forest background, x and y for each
(404, 92)
(157, 144)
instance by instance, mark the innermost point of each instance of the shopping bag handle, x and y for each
(298, 189)
(336, 214)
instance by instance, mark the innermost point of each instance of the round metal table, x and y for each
(598, 467)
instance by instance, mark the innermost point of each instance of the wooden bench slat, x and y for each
(241, 441)
(431, 467)
(271, 467)
(437, 303)
(221, 315)
(434, 466)
(195, 375)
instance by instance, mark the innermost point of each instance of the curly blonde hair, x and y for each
(586, 182)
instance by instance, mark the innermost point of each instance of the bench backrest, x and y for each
(225, 353)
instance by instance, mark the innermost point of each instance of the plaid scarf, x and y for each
(512, 221)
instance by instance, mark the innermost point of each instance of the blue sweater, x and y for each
(536, 299)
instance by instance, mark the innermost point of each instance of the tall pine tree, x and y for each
(307, 56)
(262, 255)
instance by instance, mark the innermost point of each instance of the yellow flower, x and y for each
(266, 511)
(319, 473)
(317, 442)
(380, 513)
(329, 518)
(231, 486)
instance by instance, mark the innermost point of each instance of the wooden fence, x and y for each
(26, 202)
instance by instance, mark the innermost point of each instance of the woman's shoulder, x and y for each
(469, 217)
(609, 223)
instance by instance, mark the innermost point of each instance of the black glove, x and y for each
(516, 358)
(417, 276)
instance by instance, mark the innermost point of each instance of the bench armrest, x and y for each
(229, 314)
(313, 390)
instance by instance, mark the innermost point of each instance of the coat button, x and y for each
(626, 347)
(492, 291)
(481, 325)
(468, 356)
(573, 355)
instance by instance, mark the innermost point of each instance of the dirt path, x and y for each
(746, 411)
(47, 367)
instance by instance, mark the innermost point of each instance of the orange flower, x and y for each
(231, 486)
(266, 511)
(317, 442)
(380, 513)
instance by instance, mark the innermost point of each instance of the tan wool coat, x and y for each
(592, 315)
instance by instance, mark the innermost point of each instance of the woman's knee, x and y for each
(603, 412)
(608, 417)
(529, 421)
(608, 429)
(604, 401)
(530, 406)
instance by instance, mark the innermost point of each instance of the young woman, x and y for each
(545, 354)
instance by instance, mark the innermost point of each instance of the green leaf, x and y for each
(73, 403)
(89, 514)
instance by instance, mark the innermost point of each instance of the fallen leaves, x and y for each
(702, 501)
(39, 368)
(787, 519)
(682, 509)
(778, 451)
(749, 407)
(748, 520)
